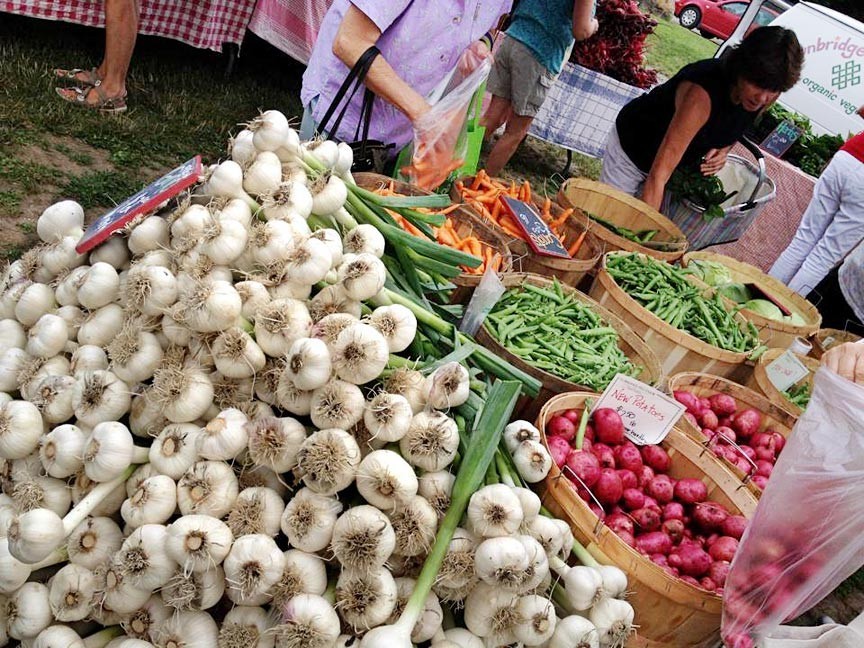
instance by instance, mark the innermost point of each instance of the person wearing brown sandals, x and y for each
(104, 88)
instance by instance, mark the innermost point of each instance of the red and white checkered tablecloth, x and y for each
(206, 24)
(772, 230)
(289, 25)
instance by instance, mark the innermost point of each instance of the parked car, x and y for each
(718, 18)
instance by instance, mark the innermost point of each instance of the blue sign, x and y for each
(146, 200)
(541, 239)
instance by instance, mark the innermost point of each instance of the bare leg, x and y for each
(496, 114)
(517, 127)
(121, 30)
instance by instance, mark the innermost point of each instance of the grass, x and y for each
(671, 47)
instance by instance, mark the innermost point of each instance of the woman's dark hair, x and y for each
(769, 57)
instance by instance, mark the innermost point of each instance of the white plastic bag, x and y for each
(807, 535)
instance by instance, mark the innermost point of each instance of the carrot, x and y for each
(527, 186)
(573, 249)
(496, 210)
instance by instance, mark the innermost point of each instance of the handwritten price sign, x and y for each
(648, 414)
(786, 370)
(540, 237)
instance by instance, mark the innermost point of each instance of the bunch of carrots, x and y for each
(484, 193)
(448, 235)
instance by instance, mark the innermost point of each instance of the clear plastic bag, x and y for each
(486, 295)
(807, 535)
(440, 144)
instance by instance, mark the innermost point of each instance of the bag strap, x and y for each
(354, 80)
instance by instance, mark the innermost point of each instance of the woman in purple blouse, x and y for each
(420, 42)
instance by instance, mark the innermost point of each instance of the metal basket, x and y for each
(738, 212)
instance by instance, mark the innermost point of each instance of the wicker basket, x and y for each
(466, 222)
(761, 383)
(678, 351)
(568, 271)
(825, 338)
(624, 211)
(670, 612)
(704, 385)
(633, 347)
(777, 334)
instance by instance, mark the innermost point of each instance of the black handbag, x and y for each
(369, 154)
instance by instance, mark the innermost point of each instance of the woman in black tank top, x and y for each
(696, 116)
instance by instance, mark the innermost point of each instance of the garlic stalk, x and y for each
(100, 396)
(253, 566)
(174, 451)
(338, 404)
(309, 621)
(431, 442)
(198, 542)
(613, 619)
(256, 510)
(207, 488)
(365, 599)
(263, 175)
(152, 503)
(71, 591)
(533, 461)
(448, 386)
(59, 220)
(362, 276)
(575, 632)
(226, 180)
(386, 480)
(495, 511)
(28, 611)
(20, 429)
(359, 354)
(35, 534)
(363, 538)
(93, 542)
(247, 627)
(414, 523)
(397, 324)
(275, 442)
(110, 450)
(327, 461)
(196, 591)
(189, 629)
(224, 437)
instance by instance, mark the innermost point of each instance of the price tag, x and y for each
(148, 199)
(784, 135)
(648, 414)
(540, 237)
(785, 371)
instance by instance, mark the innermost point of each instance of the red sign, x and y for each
(146, 200)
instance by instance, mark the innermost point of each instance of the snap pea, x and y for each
(665, 291)
(553, 331)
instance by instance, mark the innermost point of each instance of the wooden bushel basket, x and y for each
(633, 347)
(704, 385)
(670, 613)
(626, 211)
(568, 271)
(760, 381)
(771, 332)
(826, 338)
(678, 351)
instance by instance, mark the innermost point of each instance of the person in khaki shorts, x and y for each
(527, 63)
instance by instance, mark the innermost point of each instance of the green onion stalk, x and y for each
(488, 429)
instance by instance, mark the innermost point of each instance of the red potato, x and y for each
(627, 457)
(738, 640)
(748, 451)
(589, 433)
(707, 583)
(633, 499)
(690, 417)
(704, 402)
(674, 559)
(688, 400)
(674, 529)
(718, 572)
(656, 458)
(596, 510)
(723, 548)
(779, 439)
(708, 419)
(695, 562)
(645, 475)
(760, 481)
(608, 426)
(659, 559)
(691, 580)
(604, 454)
(726, 434)
(627, 538)
(765, 453)
(708, 434)
(710, 515)
(559, 448)
(734, 526)
(746, 423)
(646, 519)
(653, 543)
(619, 522)
(691, 491)
(585, 465)
(743, 465)
(673, 511)
(723, 404)
(661, 489)
(608, 488)
(559, 425)
(725, 421)
(651, 503)
(764, 467)
(628, 478)
(574, 415)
